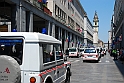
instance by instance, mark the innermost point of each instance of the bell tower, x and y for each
(95, 29)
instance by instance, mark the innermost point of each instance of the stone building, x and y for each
(95, 29)
(62, 19)
(118, 24)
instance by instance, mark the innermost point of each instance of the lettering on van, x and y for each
(3, 78)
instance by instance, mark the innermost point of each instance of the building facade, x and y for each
(88, 32)
(109, 39)
(62, 19)
(118, 25)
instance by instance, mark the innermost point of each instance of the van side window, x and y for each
(59, 53)
(48, 53)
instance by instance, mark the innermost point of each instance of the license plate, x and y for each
(89, 56)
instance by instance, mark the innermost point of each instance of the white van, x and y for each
(27, 57)
(73, 52)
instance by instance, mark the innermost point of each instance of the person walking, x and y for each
(122, 57)
(117, 53)
(114, 52)
(121, 53)
(111, 53)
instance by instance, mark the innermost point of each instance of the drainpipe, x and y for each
(20, 15)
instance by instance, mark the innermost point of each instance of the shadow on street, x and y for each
(120, 66)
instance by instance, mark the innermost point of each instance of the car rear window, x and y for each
(72, 50)
(13, 48)
(89, 51)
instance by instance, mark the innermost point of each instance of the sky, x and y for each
(104, 9)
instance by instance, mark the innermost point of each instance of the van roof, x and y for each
(31, 36)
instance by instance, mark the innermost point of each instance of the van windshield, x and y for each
(13, 48)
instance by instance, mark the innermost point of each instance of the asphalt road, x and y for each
(106, 71)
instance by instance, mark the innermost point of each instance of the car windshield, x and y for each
(12, 47)
(89, 51)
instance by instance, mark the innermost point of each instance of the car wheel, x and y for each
(97, 61)
(84, 61)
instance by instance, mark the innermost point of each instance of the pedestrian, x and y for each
(2, 50)
(121, 53)
(117, 53)
(114, 52)
(111, 52)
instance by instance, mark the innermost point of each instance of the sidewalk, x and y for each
(120, 66)
(113, 58)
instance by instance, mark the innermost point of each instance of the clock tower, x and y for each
(95, 29)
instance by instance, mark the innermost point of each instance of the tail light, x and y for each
(32, 80)
(96, 55)
(82, 55)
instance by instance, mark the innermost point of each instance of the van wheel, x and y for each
(10, 68)
(97, 61)
(67, 80)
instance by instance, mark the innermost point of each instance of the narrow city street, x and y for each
(106, 71)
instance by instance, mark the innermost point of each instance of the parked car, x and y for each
(103, 52)
(90, 54)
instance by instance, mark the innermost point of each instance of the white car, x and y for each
(90, 54)
(73, 52)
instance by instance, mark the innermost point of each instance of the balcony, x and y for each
(47, 11)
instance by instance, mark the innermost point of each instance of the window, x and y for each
(72, 50)
(63, 2)
(48, 53)
(95, 23)
(13, 48)
(56, 10)
(59, 53)
(90, 51)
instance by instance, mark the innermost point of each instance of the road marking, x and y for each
(76, 60)
(107, 61)
(70, 60)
